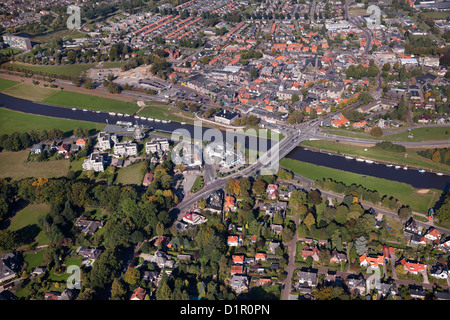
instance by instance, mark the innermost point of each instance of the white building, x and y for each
(125, 149)
(157, 145)
(95, 161)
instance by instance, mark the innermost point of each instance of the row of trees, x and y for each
(18, 141)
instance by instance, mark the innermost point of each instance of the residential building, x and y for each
(225, 117)
(157, 145)
(125, 149)
(18, 42)
(239, 283)
(138, 294)
(95, 161)
(88, 227)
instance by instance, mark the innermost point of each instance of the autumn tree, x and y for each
(309, 221)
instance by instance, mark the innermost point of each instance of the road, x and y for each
(368, 35)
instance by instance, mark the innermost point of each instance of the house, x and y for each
(81, 143)
(65, 295)
(151, 276)
(237, 258)
(104, 141)
(307, 278)
(310, 252)
(138, 294)
(214, 202)
(237, 269)
(162, 260)
(9, 266)
(271, 247)
(439, 271)
(37, 148)
(417, 292)
(148, 178)
(337, 257)
(286, 194)
(265, 281)
(340, 121)
(234, 241)
(432, 235)
(272, 208)
(386, 289)
(272, 191)
(194, 218)
(230, 204)
(413, 267)
(276, 228)
(63, 148)
(239, 283)
(356, 284)
(442, 295)
(375, 261)
(39, 270)
(260, 256)
(88, 227)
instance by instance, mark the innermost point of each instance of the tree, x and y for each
(259, 186)
(323, 293)
(400, 270)
(404, 212)
(132, 276)
(361, 245)
(341, 214)
(118, 290)
(297, 198)
(376, 132)
(105, 269)
(309, 221)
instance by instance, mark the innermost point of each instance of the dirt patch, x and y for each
(423, 190)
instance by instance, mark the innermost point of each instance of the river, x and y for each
(410, 176)
(423, 180)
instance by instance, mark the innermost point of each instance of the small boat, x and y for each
(389, 165)
(421, 171)
(348, 157)
(126, 115)
(439, 173)
(143, 118)
(359, 160)
(97, 111)
(169, 121)
(120, 114)
(180, 122)
(405, 168)
(136, 117)
(112, 113)
(163, 121)
(74, 109)
(84, 110)
(397, 167)
(369, 161)
(150, 119)
(157, 120)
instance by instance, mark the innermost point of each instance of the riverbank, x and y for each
(409, 158)
(418, 200)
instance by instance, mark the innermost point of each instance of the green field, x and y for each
(419, 134)
(5, 84)
(14, 166)
(165, 112)
(26, 221)
(198, 184)
(30, 92)
(405, 193)
(130, 175)
(15, 121)
(409, 158)
(85, 101)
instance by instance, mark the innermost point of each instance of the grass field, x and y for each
(5, 84)
(419, 134)
(30, 92)
(15, 167)
(81, 101)
(130, 175)
(34, 260)
(198, 184)
(26, 221)
(411, 159)
(165, 112)
(14, 121)
(405, 193)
